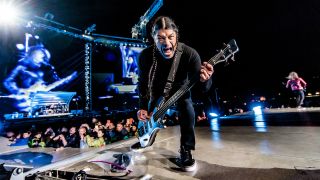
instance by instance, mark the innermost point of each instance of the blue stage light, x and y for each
(260, 123)
(214, 124)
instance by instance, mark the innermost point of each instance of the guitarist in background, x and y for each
(297, 85)
(154, 66)
(32, 70)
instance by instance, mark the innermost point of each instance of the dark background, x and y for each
(274, 37)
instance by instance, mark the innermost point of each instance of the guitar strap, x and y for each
(173, 71)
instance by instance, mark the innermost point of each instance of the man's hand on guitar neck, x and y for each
(206, 71)
(143, 115)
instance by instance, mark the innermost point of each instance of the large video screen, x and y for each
(41, 73)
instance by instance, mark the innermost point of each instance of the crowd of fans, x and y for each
(92, 133)
(95, 133)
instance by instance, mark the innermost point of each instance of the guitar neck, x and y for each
(61, 82)
(185, 88)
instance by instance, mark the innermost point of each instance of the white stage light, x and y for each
(257, 110)
(8, 13)
(213, 114)
(20, 46)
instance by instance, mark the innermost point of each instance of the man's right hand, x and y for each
(142, 115)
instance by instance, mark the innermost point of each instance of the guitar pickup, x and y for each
(141, 131)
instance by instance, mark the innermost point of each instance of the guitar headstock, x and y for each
(226, 53)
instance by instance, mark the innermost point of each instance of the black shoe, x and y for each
(186, 162)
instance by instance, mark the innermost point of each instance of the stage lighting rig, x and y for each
(90, 29)
(139, 31)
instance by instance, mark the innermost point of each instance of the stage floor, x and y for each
(258, 148)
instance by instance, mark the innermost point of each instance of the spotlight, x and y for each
(257, 110)
(8, 13)
(213, 114)
(20, 46)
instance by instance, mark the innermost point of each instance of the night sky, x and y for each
(274, 37)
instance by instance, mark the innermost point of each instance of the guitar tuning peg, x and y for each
(232, 57)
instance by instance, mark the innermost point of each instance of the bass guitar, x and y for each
(39, 86)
